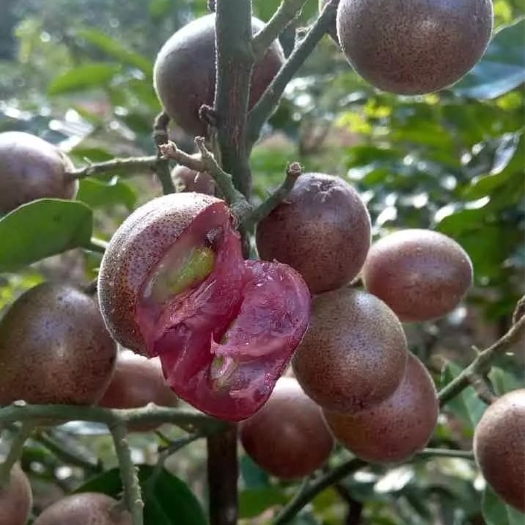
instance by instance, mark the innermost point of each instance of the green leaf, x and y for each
(252, 475)
(116, 50)
(253, 502)
(42, 228)
(501, 69)
(99, 194)
(495, 512)
(503, 381)
(89, 75)
(167, 500)
(467, 404)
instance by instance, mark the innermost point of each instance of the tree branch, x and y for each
(288, 11)
(234, 68)
(131, 165)
(482, 363)
(293, 172)
(269, 101)
(223, 472)
(162, 166)
(128, 474)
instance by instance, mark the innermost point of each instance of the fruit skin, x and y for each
(395, 429)
(322, 230)
(184, 72)
(499, 439)
(420, 274)
(136, 382)
(54, 348)
(332, 31)
(16, 499)
(87, 508)
(354, 353)
(32, 168)
(287, 437)
(412, 47)
(188, 180)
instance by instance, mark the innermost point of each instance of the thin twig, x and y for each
(482, 363)
(445, 453)
(269, 101)
(96, 245)
(15, 451)
(162, 166)
(287, 11)
(130, 165)
(128, 474)
(293, 172)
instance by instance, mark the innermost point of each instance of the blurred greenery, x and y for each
(79, 74)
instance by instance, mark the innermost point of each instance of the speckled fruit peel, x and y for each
(173, 284)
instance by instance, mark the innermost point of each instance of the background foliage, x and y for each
(79, 74)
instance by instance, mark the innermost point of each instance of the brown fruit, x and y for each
(54, 348)
(32, 168)
(137, 249)
(287, 437)
(184, 72)
(87, 508)
(16, 499)
(420, 274)
(395, 429)
(332, 30)
(354, 353)
(322, 230)
(412, 47)
(499, 447)
(136, 382)
(188, 180)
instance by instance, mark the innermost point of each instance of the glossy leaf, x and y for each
(86, 76)
(496, 512)
(42, 228)
(252, 475)
(99, 194)
(253, 502)
(501, 69)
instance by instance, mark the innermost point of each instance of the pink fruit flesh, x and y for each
(225, 341)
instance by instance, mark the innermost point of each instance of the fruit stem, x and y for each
(269, 101)
(223, 471)
(287, 11)
(293, 172)
(162, 166)
(128, 473)
(482, 363)
(15, 451)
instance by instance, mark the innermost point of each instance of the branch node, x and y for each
(208, 115)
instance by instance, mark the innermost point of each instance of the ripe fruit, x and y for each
(87, 508)
(395, 429)
(322, 230)
(136, 382)
(184, 72)
(354, 353)
(188, 180)
(499, 449)
(287, 437)
(16, 499)
(412, 47)
(420, 274)
(332, 31)
(30, 169)
(54, 348)
(173, 284)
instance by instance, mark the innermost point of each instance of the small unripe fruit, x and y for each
(420, 274)
(354, 352)
(412, 47)
(499, 447)
(87, 508)
(322, 230)
(395, 429)
(32, 168)
(287, 437)
(16, 499)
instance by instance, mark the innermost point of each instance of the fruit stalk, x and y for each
(287, 12)
(268, 103)
(483, 362)
(234, 68)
